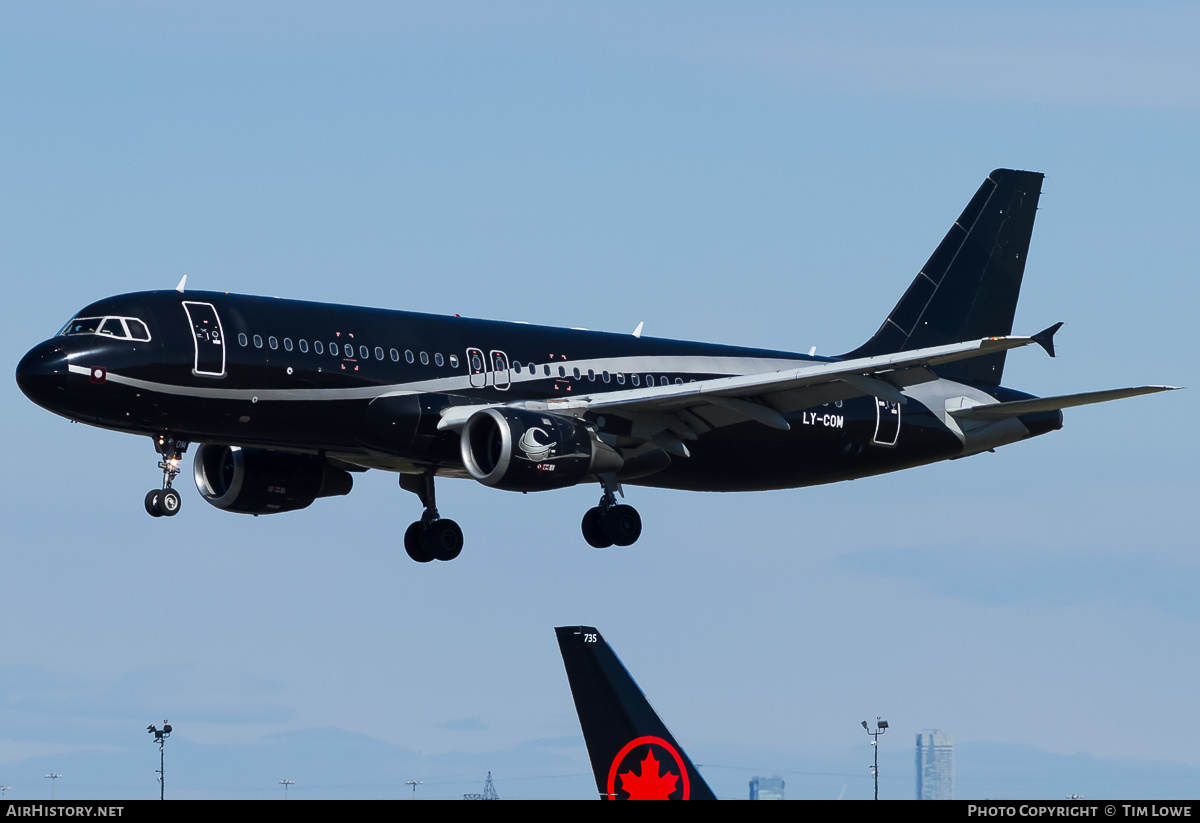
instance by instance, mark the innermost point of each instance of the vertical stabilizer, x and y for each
(634, 756)
(969, 288)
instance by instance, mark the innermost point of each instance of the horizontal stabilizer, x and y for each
(998, 411)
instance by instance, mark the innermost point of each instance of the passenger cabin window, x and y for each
(287, 344)
(318, 347)
(303, 345)
(437, 359)
(258, 341)
(243, 341)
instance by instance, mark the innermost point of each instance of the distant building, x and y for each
(935, 766)
(766, 788)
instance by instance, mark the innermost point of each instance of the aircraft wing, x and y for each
(666, 413)
(882, 376)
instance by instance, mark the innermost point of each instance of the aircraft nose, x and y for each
(42, 374)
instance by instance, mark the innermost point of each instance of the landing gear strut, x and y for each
(609, 524)
(166, 501)
(431, 537)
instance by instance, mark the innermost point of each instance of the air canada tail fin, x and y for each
(969, 288)
(633, 755)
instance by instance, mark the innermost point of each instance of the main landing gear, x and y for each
(431, 537)
(165, 502)
(609, 524)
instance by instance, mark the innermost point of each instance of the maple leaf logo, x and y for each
(650, 784)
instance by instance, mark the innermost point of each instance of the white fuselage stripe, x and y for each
(659, 366)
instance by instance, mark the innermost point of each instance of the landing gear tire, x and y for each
(443, 539)
(431, 537)
(165, 502)
(169, 502)
(593, 529)
(412, 544)
(622, 525)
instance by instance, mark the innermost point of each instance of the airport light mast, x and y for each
(881, 726)
(160, 737)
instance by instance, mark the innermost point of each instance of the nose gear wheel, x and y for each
(165, 502)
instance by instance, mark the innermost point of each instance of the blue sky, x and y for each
(770, 176)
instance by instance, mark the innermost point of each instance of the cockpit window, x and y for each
(122, 328)
(113, 327)
(81, 325)
(137, 329)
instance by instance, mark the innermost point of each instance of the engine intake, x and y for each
(257, 481)
(528, 451)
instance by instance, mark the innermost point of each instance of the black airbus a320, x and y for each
(286, 399)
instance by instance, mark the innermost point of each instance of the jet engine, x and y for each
(257, 481)
(527, 451)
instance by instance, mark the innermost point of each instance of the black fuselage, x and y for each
(299, 376)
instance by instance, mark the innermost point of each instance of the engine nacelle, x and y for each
(257, 481)
(529, 451)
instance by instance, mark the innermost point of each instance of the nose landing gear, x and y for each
(609, 524)
(431, 537)
(165, 502)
